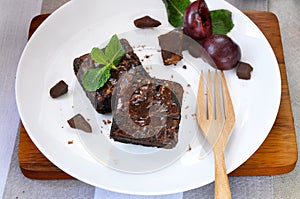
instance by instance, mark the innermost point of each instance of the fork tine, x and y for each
(210, 107)
(200, 97)
(204, 107)
(229, 110)
(201, 106)
(218, 100)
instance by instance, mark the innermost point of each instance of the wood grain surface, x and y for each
(277, 155)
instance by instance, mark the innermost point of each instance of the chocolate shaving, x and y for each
(59, 89)
(146, 22)
(78, 122)
(70, 142)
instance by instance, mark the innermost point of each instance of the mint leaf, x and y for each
(105, 75)
(99, 57)
(114, 50)
(221, 21)
(175, 11)
(95, 78)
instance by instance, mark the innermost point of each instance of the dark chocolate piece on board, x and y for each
(244, 70)
(78, 122)
(59, 89)
(146, 22)
(171, 46)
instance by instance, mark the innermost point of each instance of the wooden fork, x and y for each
(216, 118)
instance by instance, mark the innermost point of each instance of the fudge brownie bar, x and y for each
(147, 111)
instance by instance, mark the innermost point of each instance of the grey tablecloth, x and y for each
(14, 20)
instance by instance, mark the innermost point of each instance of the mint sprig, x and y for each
(221, 21)
(95, 78)
(175, 11)
(98, 56)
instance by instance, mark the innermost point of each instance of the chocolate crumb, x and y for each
(70, 142)
(106, 122)
(188, 85)
(244, 70)
(147, 56)
(146, 22)
(190, 148)
(59, 89)
(78, 122)
(184, 66)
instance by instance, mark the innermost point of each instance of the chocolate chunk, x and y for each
(78, 122)
(70, 142)
(171, 46)
(146, 22)
(59, 89)
(243, 70)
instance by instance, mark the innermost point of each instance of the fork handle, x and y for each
(222, 187)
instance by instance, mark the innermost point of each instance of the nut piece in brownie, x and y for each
(101, 99)
(147, 111)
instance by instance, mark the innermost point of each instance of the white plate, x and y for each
(80, 25)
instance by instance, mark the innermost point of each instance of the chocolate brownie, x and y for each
(147, 111)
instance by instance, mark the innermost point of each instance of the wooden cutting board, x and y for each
(277, 155)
